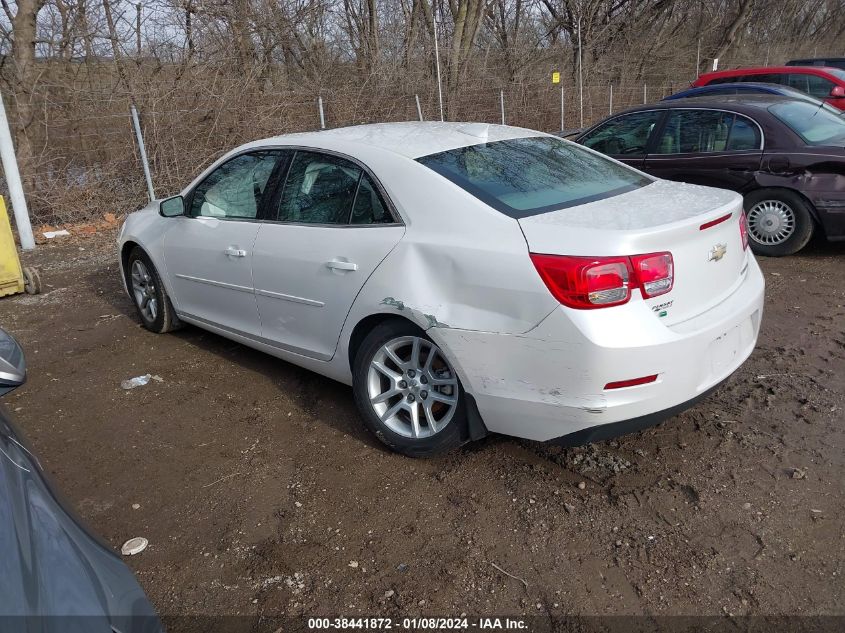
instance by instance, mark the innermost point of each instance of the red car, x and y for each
(823, 83)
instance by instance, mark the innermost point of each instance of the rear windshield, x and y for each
(815, 125)
(528, 176)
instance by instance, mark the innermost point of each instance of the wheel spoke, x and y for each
(396, 408)
(392, 355)
(385, 370)
(385, 396)
(429, 417)
(415, 418)
(442, 397)
(428, 360)
(415, 353)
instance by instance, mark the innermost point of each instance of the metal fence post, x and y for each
(610, 110)
(645, 93)
(13, 181)
(143, 151)
(502, 104)
(437, 63)
(419, 109)
(322, 116)
(562, 110)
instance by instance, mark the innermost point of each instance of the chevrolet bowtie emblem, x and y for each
(717, 252)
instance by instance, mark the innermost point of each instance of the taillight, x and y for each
(655, 273)
(743, 230)
(601, 282)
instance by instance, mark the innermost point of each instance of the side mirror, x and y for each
(837, 92)
(12, 364)
(172, 207)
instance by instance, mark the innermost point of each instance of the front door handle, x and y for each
(235, 252)
(337, 264)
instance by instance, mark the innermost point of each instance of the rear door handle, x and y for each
(235, 252)
(337, 264)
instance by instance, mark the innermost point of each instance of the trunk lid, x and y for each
(709, 263)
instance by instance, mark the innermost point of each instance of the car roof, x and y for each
(747, 103)
(411, 139)
(739, 85)
(817, 59)
(810, 70)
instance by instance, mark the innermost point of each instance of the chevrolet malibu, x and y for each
(463, 278)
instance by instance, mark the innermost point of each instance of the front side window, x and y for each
(813, 85)
(763, 78)
(699, 131)
(235, 189)
(723, 80)
(624, 135)
(814, 124)
(527, 176)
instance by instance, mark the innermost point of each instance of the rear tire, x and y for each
(407, 392)
(148, 294)
(779, 222)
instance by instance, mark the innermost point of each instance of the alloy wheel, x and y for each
(144, 290)
(412, 387)
(771, 222)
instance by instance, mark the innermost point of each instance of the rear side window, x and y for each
(326, 189)
(700, 131)
(369, 208)
(528, 176)
(814, 85)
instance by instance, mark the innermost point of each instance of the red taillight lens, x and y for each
(743, 230)
(585, 282)
(600, 282)
(655, 273)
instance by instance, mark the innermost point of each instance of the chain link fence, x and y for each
(87, 161)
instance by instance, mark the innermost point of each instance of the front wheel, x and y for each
(779, 222)
(408, 393)
(148, 294)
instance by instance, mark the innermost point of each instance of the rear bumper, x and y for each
(623, 427)
(549, 382)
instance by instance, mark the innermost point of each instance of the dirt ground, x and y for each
(260, 492)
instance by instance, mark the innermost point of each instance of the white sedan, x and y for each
(463, 278)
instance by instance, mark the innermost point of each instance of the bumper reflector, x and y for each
(631, 382)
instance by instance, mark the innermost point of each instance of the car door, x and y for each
(624, 137)
(707, 147)
(329, 227)
(208, 251)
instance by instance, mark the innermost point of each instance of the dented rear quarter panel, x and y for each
(435, 276)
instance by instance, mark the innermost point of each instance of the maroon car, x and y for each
(786, 156)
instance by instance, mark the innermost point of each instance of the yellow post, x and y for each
(13, 278)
